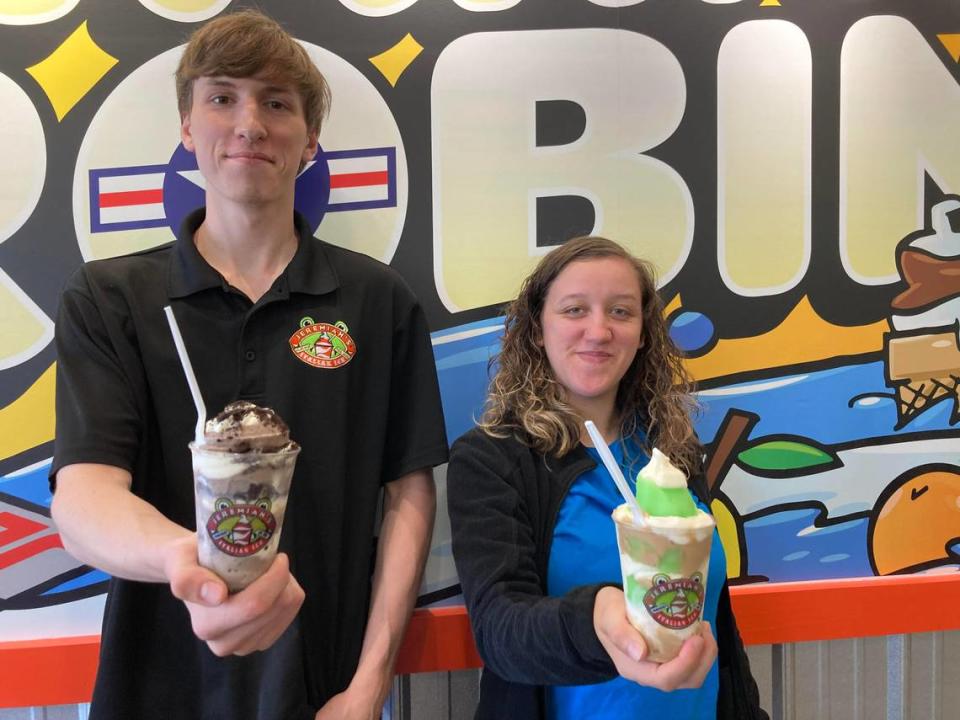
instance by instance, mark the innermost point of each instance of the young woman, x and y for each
(530, 504)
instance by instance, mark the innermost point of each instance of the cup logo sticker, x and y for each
(675, 603)
(241, 529)
(323, 345)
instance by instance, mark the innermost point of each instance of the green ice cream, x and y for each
(662, 489)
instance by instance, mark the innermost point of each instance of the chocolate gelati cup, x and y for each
(240, 499)
(664, 564)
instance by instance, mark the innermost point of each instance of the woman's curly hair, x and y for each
(526, 400)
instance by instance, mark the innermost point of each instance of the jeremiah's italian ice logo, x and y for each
(241, 529)
(675, 603)
(322, 344)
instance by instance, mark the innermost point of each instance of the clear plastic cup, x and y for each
(664, 564)
(241, 499)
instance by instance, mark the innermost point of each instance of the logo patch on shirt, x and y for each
(323, 345)
(241, 529)
(675, 602)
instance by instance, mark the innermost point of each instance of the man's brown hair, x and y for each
(245, 44)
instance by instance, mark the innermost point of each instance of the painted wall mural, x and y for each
(791, 167)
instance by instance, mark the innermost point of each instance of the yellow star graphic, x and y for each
(392, 62)
(71, 71)
(951, 42)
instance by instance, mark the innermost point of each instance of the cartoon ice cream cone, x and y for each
(923, 349)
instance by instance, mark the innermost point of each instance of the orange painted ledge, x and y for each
(771, 613)
(58, 671)
(438, 639)
(61, 670)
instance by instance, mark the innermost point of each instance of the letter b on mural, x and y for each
(519, 117)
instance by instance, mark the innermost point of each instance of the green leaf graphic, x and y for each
(784, 455)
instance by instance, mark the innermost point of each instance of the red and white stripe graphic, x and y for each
(358, 179)
(130, 198)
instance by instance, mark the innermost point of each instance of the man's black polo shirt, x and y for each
(340, 348)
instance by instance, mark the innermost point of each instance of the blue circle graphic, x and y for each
(691, 331)
(181, 195)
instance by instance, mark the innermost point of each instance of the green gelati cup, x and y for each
(664, 564)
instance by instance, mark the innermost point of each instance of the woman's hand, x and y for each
(627, 648)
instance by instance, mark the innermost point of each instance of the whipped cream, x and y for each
(662, 472)
(244, 427)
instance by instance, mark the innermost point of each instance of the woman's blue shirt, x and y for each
(584, 551)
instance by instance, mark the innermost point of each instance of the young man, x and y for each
(316, 636)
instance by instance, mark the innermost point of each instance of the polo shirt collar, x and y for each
(310, 270)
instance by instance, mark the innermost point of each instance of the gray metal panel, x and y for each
(464, 694)
(53, 712)
(836, 680)
(442, 695)
(762, 667)
(897, 663)
(915, 677)
(430, 696)
(930, 676)
(845, 697)
(871, 674)
(805, 697)
(949, 685)
(921, 683)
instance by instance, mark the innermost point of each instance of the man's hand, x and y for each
(105, 525)
(238, 624)
(627, 648)
(354, 704)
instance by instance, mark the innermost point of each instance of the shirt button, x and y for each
(250, 355)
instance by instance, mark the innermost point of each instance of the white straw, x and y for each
(614, 469)
(188, 371)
